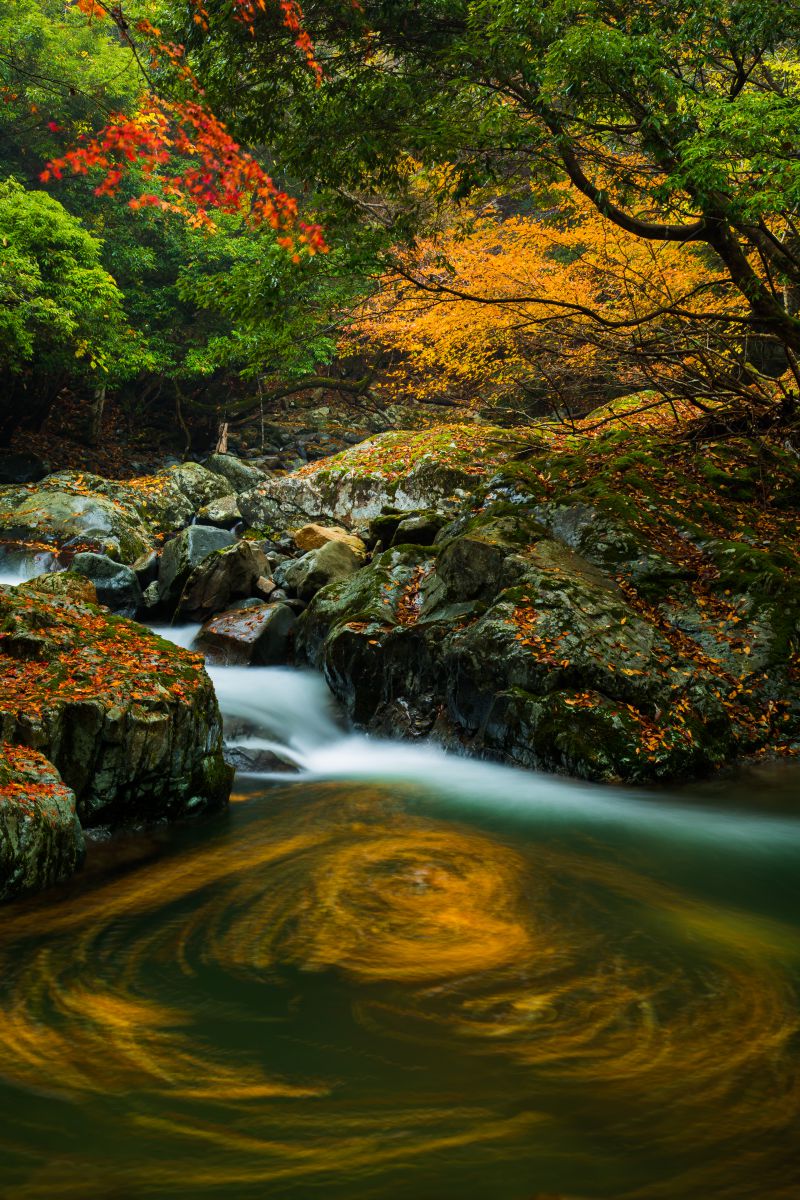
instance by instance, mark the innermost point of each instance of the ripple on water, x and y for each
(635, 1007)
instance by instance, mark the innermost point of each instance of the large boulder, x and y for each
(72, 511)
(41, 841)
(232, 573)
(65, 511)
(115, 585)
(258, 635)
(505, 638)
(408, 470)
(183, 553)
(240, 476)
(330, 563)
(130, 721)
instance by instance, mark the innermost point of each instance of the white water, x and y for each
(291, 713)
(16, 568)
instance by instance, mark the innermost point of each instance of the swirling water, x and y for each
(394, 973)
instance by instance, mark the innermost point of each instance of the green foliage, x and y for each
(60, 311)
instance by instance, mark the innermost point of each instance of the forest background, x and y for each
(526, 211)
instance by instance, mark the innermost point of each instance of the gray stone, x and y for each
(185, 552)
(328, 564)
(223, 513)
(116, 585)
(232, 573)
(63, 516)
(200, 485)
(240, 475)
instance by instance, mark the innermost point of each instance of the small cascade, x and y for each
(289, 715)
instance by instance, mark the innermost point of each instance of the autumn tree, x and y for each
(678, 122)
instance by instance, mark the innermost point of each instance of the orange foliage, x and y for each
(474, 314)
(219, 175)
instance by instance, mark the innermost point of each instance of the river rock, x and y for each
(241, 476)
(185, 552)
(407, 470)
(232, 573)
(258, 634)
(223, 513)
(63, 509)
(129, 720)
(200, 485)
(305, 576)
(67, 584)
(506, 639)
(116, 585)
(312, 537)
(41, 841)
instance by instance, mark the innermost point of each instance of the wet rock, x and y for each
(241, 476)
(223, 513)
(129, 720)
(232, 573)
(41, 841)
(146, 568)
(329, 564)
(259, 634)
(525, 649)
(116, 585)
(185, 552)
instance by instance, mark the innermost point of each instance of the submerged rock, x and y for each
(129, 720)
(41, 841)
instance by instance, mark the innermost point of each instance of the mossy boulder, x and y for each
(41, 841)
(239, 476)
(69, 585)
(231, 573)
(129, 720)
(64, 511)
(406, 470)
(505, 637)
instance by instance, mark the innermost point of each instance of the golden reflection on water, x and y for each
(584, 975)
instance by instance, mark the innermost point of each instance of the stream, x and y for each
(391, 973)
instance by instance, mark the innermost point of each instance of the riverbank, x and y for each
(619, 606)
